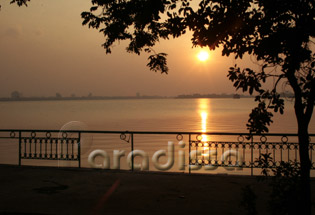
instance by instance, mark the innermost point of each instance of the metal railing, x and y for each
(48, 147)
(206, 149)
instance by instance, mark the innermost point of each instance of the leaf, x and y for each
(259, 119)
(281, 111)
(93, 8)
(158, 62)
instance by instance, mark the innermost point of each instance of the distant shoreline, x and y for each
(195, 96)
(78, 98)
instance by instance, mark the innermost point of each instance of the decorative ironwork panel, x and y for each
(49, 148)
(243, 154)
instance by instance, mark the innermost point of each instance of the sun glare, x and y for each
(203, 55)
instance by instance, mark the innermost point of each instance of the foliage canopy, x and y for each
(277, 32)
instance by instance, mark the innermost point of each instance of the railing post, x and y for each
(20, 144)
(131, 136)
(189, 170)
(252, 156)
(79, 149)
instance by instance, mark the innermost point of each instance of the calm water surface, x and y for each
(221, 115)
(213, 115)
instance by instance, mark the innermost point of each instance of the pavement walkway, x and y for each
(52, 190)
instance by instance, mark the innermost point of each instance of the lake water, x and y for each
(193, 115)
(219, 115)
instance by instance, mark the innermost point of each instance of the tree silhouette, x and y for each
(278, 33)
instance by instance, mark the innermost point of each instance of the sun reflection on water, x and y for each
(203, 111)
(204, 114)
(204, 117)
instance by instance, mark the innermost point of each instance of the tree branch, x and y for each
(310, 102)
(298, 95)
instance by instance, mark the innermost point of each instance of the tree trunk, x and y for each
(303, 118)
(305, 188)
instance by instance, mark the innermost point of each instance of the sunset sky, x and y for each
(44, 49)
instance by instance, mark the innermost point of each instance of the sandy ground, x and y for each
(52, 190)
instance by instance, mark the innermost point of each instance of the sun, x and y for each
(203, 55)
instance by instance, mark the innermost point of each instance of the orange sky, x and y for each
(44, 49)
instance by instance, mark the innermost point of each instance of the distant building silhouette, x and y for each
(16, 95)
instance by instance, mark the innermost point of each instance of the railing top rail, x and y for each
(149, 132)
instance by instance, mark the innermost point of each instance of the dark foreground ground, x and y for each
(48, 190)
